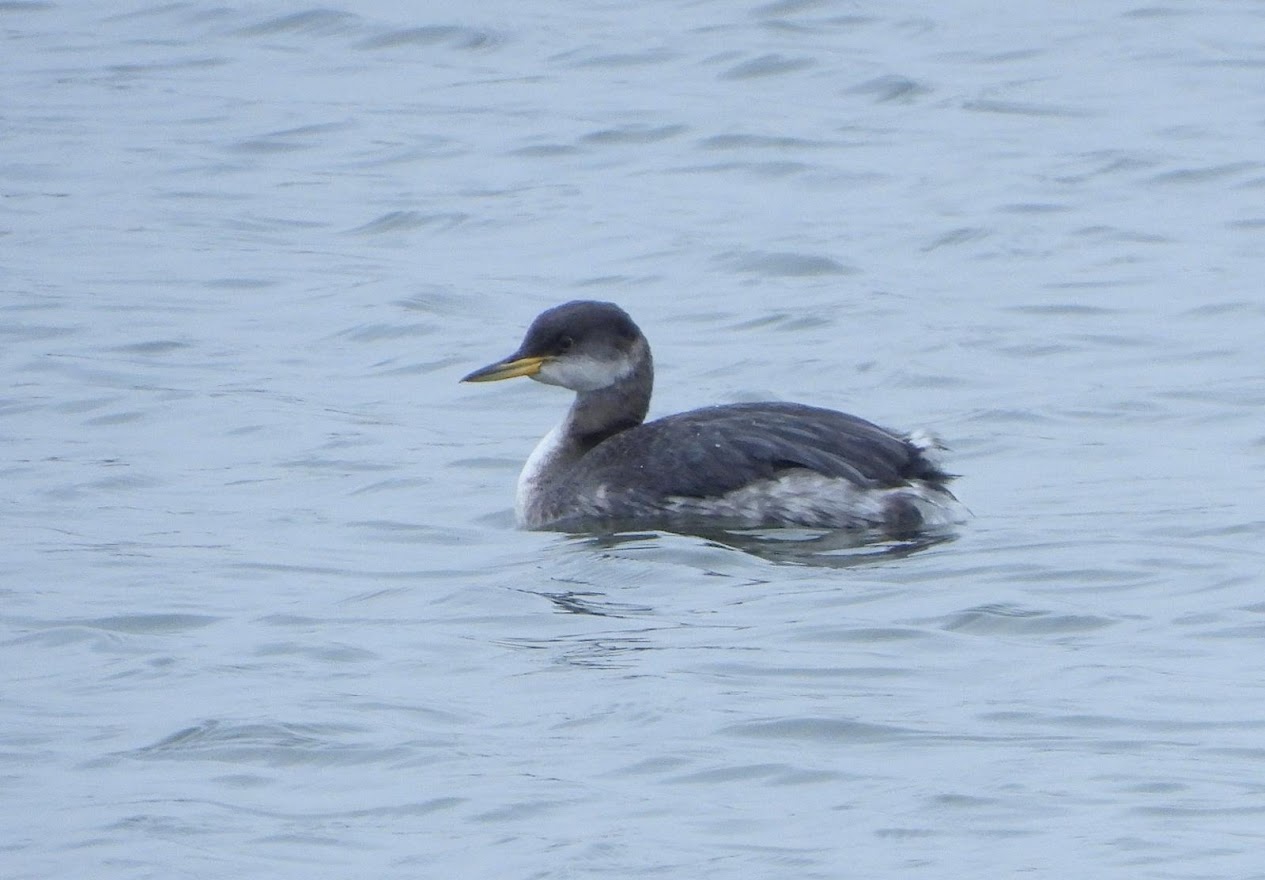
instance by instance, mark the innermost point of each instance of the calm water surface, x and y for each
(264, 611)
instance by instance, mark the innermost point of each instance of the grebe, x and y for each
(743, 465)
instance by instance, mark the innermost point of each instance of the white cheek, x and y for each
(583, 373)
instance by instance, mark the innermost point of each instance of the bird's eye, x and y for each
(565, 344)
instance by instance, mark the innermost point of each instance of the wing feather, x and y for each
(715, 450)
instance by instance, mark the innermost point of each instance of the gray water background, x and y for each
(263, 612)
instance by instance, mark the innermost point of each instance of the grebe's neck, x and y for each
(594, 416)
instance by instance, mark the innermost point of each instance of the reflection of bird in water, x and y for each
(739, 465)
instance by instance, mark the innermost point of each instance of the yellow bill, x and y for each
(508, 369)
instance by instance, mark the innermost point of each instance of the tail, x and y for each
(925, 464)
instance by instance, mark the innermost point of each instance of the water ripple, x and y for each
(766, 65)
(273, 744)
(311, 22)
(1003, 619)
(453, 36)
(402, 221)
(782, 264)
(831, 730)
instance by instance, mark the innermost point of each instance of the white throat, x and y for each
(532, 477)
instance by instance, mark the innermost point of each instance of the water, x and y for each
(264, 610)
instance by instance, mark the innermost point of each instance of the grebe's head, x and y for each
(582, 345)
